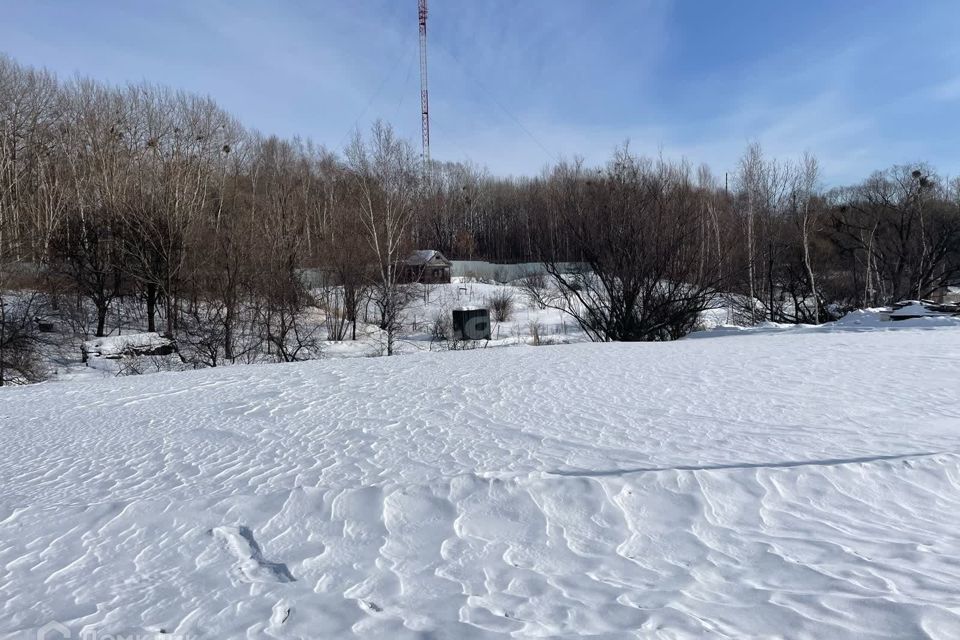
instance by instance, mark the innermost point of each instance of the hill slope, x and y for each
(800, 484)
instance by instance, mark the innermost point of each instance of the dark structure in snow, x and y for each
(425, 266)
(471, 323)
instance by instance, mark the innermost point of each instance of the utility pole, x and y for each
(424, 101)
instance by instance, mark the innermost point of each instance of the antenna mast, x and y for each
(424, 102)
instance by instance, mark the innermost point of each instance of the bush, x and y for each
(20, 340)
(139, 365)
(535, 331)
(441, 327)
(535, 287)
(501, 305)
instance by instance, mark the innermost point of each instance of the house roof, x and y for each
(425, 256)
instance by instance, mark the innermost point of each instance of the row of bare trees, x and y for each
(772, 233)
(812, 254)
(161, 200)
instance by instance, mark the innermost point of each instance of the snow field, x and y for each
(791, 483)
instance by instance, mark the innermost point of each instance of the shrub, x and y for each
(20, 340)
(535, 287)
(501, 305)
(535, 330)
(442, 326)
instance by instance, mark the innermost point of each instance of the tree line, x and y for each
(162, 200)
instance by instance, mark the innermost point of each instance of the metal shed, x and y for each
(471, 323)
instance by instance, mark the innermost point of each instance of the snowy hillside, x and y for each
(795, 484)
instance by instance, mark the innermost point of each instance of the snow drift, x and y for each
(795, 484)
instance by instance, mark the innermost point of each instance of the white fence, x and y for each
(492, 271)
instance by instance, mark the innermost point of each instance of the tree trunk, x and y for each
(750, 258)
(101, 319)
(228, 333)
(151, 307)
(770, 282)
(809, 267)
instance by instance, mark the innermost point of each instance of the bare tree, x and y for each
(386, 171)
(902, 226)
(88, 253)
(750, 179)
(345, 256)
(805, 189)
(634, 228)
(21, 342)
(282, 191)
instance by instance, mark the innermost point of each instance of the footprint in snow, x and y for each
(251, 565)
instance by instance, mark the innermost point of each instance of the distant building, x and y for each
(426, 266)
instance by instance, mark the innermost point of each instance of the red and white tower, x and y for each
(424, 100)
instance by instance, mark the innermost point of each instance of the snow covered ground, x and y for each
(433, 302)
(427, 304)
(780, 483)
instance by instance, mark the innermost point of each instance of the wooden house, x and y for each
(426, 266)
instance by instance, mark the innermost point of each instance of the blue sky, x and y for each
(515, 85)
